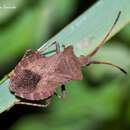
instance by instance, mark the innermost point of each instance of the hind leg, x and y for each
(48, 101)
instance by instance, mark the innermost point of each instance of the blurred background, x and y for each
(100, 102)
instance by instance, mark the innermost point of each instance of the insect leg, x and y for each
(55, 93)
(47, 46)
(107, 63)
(34, 104)
(63, 92)
(57, 47)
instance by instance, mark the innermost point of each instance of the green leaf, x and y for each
(85, 32)
(7, 100)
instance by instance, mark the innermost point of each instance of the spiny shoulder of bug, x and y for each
(83, 60)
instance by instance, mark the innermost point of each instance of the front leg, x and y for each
(48, 45)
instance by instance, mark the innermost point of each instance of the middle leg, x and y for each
(63, 92)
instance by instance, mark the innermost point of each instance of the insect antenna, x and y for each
(89, 62)
(107, 63)
(105, 37)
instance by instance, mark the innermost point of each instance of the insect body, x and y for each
(36, 76)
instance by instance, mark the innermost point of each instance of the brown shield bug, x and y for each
(37, 76)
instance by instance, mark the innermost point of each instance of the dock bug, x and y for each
(37, 76)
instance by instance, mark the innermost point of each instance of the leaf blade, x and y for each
(7, 100)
